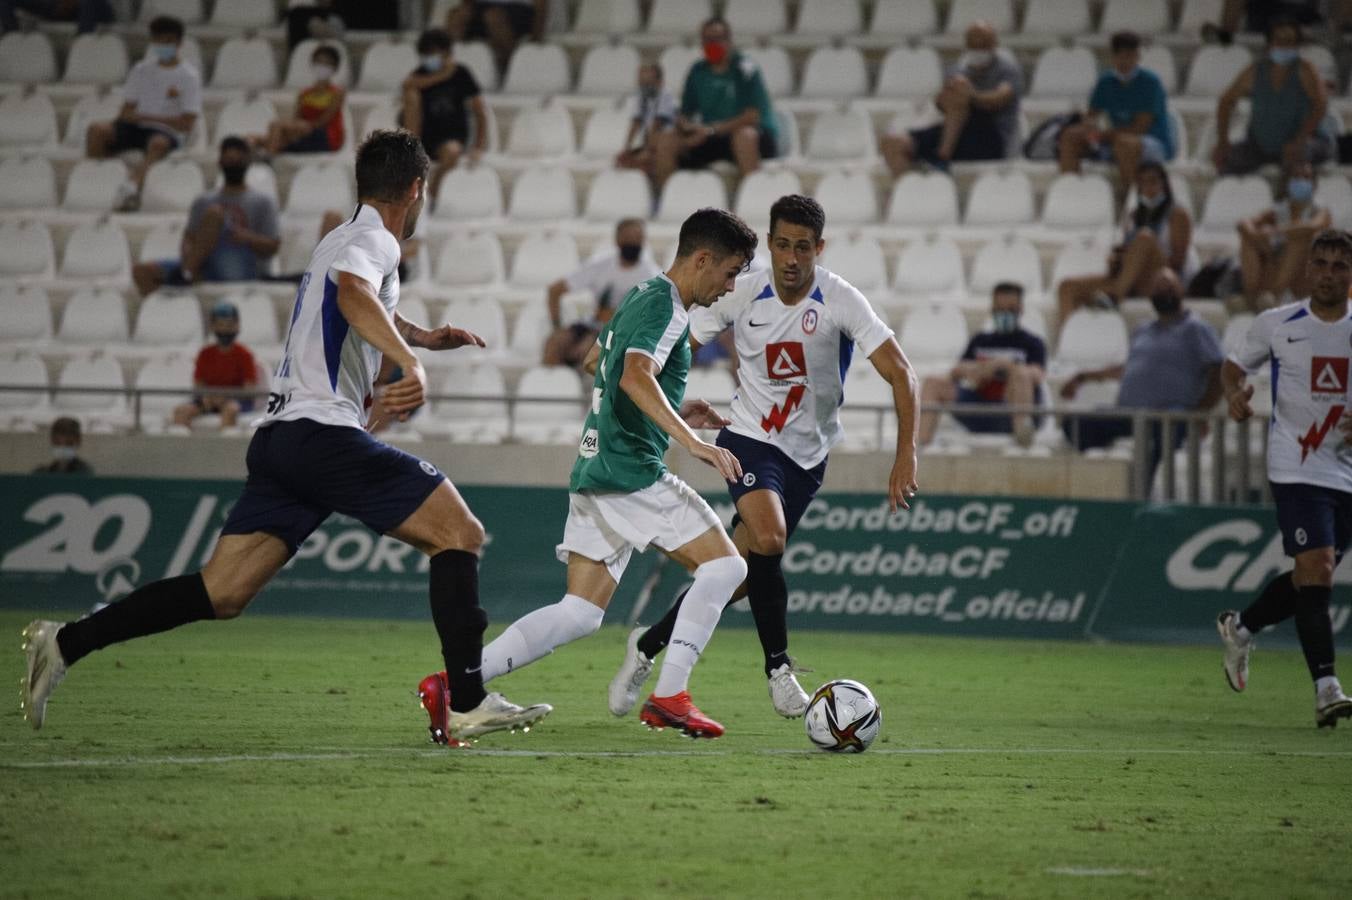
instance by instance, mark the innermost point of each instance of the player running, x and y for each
(796, 327)
(621, 496)
(1309, 466)
(312, 457)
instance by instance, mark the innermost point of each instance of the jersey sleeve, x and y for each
(858, 320)
(707, 323)
(1257, 345)
(656, 329)
(370, 255)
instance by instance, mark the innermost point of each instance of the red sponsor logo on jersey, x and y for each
(778, 416)
(1328, 375)
(809, 321)
(785, 360)
(1316, 434)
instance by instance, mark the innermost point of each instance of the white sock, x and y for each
(1327, 682)
(537, 633)
(700, 610)
(1241, 632)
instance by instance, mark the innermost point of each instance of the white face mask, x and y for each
(322, 73)
(161, 53)
(63, 453)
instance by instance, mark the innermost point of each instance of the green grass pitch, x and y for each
(286, 757)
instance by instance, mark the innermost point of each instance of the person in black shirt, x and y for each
(65, 450)
(1005, 365)
(438, 100)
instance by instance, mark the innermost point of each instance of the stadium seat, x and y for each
(1064, 73)
(530, 329)
(1334, 193)
(867, 429)
(712, 384)
(27, 182)
(678, 17)
(27, 58)
(257, 319)
(1230, 199)
(245, 64)
(318, 187)
(1092, 339)
(241, 117)
(543, 133)
(97, 251)
(828, 18)
(618, 194)
(933, 335)
(1011, 258)
(169, 371)
(27, 122)
(1000, 199)
(904, 18)
(97, 59)
(834, 73)
(169, 320)
(1000, 13)
(910, 72)
(1079, 202)
(1236, 330)
(618, 17)
(25, 316)
(676, 61)
(687, 191)
(756, 18)
(469, 193)
(96, 371)
(298, 66)
(22, 370)
(848, 198)
(161, 242)
(929, 268)
(1141, 16)
(758, 191)
(542, 195)
(26, 250)
(1214, 68)
(1056, 18)
(603, 135)
(1194, 15)
(608, 71)
(93, 317)
(87, 110)
(171, 186)
(475, 421)
(475, 56)
(386, 65)
(541, 416)
(789, 145)
(244, 13)
(1322, 59)
(1160, 60)
(841, 136)
(188, 11)
(859, 260)
(538, 69)
(775, 66)
(1078, 258)
(484, 317)
(470, 260)
(542, 259)
(923, 200)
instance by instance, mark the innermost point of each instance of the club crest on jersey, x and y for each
(809, 321)
(785, 360)
(1328, 375)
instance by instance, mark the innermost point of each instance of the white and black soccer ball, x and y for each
(843, 717)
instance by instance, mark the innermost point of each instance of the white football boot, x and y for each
(495, 713)
(1236, 650)
(1330, 705)
(46, 668)
(628, 681)
(786, 693)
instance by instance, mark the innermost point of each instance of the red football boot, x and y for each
(434, 693)
(678, 712)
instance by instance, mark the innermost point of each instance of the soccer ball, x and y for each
(843, 717)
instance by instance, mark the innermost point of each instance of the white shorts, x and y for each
(608, 526)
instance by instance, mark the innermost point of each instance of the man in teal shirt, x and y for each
(725, 112)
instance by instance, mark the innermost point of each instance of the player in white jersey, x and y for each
(796, 327)
(312, 456)
(1308, 346)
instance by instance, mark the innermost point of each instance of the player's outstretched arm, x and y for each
(896, 369)
(360, 306)
(444, 338)
(1237, 392)
(639, 383)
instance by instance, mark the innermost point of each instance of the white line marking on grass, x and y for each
(1083, 872)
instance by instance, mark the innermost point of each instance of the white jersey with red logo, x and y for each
(792, 359)
(1309, 359)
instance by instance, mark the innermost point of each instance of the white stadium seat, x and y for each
(1194, 15)
(169, 320)
(543, 195)
(298, 65)
(97, 251)
(1078, 258)
(1064, 72)
(478, 59)
(608, 71)
(244, 63)
(1000, 13)
(244, 13)
(930, 268)
(1214, 68)
(1056, 18)
(1000, 199)
(484, 317)
(864, 388)
(1079, 202)
(1141, 16)
(687, 191)
(835, 73)
(1231, 198)
(822, 18)
(904, 18)
(543, 133)
(848, 198)
(842, 135)
(257, 319)
(26, 250)
(607, 17)
(478, 420)
(676, 61)
(713, 385)
(171, 186)
(22, 370)
(541, 416)
(25, 316)
(756, 18)
(618, 194)
(27, 58)
(538, 69)
(1334, 193)
(910, 72)
(758, 191)
(470, 260)
(188, 11)
(93, 317)
(469, 193)
(162, 242)
(1011, 258)
(1236, 330)
(859, 260)
(317, 188)
(386, 65)
(775, 67)
(98, 371)
(87, 110)
(1160, 60)
(170, 371)
(241, 116)
(1092, 339)
(934, 335)
(530, 329)
(27, 121)
(680, 17)
(27, 182)
(603, 135)
(97, 59)
(923, 200)
(542, 259)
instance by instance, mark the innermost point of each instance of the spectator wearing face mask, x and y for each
(230, 234)
(608, 277)
(439, 99)
(1004, 365)
(317, 124)
(225, 363)
(1275, 244)
(652, 111)
(65, 437)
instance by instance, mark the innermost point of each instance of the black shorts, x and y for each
(317, 141)
(719, 146)
(980, 139)
(1312, 517)
(766, 467)
(130, 136)
(301, 471)
(519, 15)
(986, 424)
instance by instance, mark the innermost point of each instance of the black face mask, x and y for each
(226, 339)
(631, 252)
(234, 175)
(1166, 304)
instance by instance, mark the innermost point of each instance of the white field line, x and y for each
(394, 752)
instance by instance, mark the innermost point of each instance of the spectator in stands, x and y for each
(317, 125)
(608, 277)
(439, 98)
(1004, 365)
(503, 23)
(1275, 244)
(1133, 101)
(88, 14)
(1287, 106)
(1156, 235)
(231, 231)
(226, 363)
(1255, 16)
(980, 106)
(1173, 364)
(725, 113)
(653, 111)
(317, 20)
(161, 101)
(65, 437)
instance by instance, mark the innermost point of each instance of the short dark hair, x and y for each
(166, 26)
(234, 142)
(1007, 287)
(718, 231)
(435, 40)
(715, 20)
(1124, 40)
(329, 51)
(629, 222)
(1284, 20)
(796, 209)
(388, 162)
(1335, 238)
(66, 427)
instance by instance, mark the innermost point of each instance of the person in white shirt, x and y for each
(1308, 346)
(312, 456)
(796, 327)
(608, 277)
(161, 101)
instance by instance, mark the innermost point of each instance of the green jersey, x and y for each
(711, 96)
(621, 448)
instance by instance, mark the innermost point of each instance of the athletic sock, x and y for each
(1275, 604)
(1314, 629)
(537, 633)
(460, 622)
(655, 639)
(156, 607)
(714, 584)
(768, 595)
(1327, 681)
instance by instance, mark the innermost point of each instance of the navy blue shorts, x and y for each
(1312, 517)
(992, 424)
(766, 467)
(301, 471)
